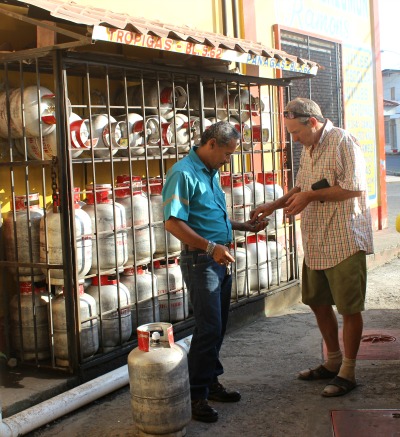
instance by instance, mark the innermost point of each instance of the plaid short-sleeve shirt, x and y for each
(333, 231)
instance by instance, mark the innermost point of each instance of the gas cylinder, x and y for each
(132, 132)
(250, 134)
(272, 191)
(196, 129)
(79, 131)
(112, 243)
(187, 133)
(48, 143)
(38, 111)
(158, 135)
(174, 305)
(239, 272)
(256, 188)
(51, 249)
(142, 286)
(98, 128)
(167, 99)
(160, 234)
(29, 317)
(114, 312)
(215, 101)
(243, 105)
(89, 331)
(159, 383)
(236, 193)
(141, 241)
(276, 250)
(259, 264)
(238, 198)
(27, 219)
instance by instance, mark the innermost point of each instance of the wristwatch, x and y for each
(210, 248)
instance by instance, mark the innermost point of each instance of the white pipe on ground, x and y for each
(52, 409)
(64, 403)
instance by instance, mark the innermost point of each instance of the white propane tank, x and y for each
(38, 110)
(237, 196)
(251, 134)
(132, 133)
(158, 137)
(111, 317)
(180, 128)
(243, 104)
(272, 191)
(239, 271)
(170, 98)
(34, 145)
(259, 263)
(276, 251)
(89, 331)
(142, 285)
(257, 190)
(213, 98)
(141, 241)
(196, 129)
(51, 249)
(174, 304)
(102, 216)
(99, 132)
(160, 234)
(159, 383)
(27, 218)
(33, 324)
(79, 132)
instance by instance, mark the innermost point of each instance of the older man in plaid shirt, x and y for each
(331, 195)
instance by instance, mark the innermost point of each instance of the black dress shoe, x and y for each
(203, 412)
(217, 392)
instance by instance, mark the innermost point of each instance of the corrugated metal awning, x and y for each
(139, 32)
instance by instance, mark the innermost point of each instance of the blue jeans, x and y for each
(209, 288)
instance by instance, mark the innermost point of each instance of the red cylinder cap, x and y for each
(21, 202)
(26, 287)
(253, 239)
(102, 192)
(104, 280)
(268, 178)
(77, 194)
(130, 271)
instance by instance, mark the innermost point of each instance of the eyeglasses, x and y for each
(291, 115)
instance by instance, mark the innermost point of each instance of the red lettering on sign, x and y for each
(158, 44)
(189, 46)
(150, 42)
(120, 35)
(110, 33)
(168, 44)
(138, 38)
(128, 37)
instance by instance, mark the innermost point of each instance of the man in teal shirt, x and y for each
(195, 212)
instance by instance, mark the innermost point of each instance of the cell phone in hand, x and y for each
(323, 183)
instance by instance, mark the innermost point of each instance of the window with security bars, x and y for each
(326, 87)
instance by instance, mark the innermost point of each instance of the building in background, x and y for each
(391, 95)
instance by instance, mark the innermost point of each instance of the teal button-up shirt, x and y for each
(192, 193)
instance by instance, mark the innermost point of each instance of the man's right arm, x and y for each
(268, 208)
(179, 229)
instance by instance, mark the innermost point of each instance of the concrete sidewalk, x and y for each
(36, 386)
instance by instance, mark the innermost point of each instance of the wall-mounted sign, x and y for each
(126, 37)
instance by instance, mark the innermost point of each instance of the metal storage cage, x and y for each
(86, 142)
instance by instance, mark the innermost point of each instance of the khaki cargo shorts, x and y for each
(343, 285)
